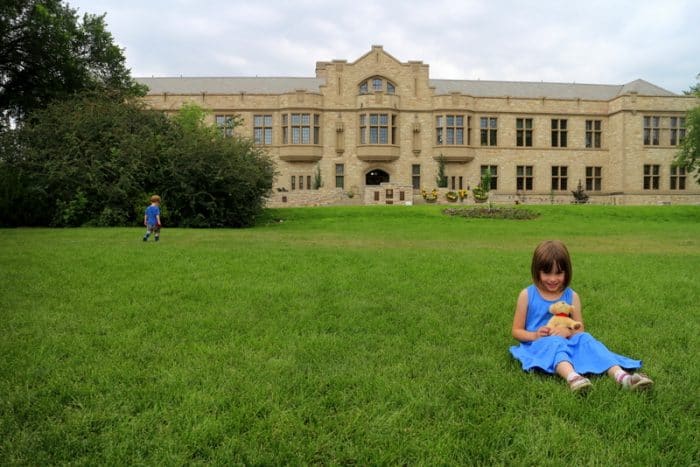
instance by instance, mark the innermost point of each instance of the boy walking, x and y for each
(152, 219)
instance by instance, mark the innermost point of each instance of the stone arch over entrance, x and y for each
(376, 177)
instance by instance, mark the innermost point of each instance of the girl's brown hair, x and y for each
(549, 256)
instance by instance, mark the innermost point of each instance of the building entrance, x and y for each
(376, 177)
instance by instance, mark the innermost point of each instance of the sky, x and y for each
(563, 41)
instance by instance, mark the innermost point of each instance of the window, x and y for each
(377, 129)
(559, 177)
(293, 184)
(651, 176)
(523, 178)
(677, 178)
(415, 172)
(593, 133)
(262, 129)
(340, 175)
(301, 182)
(677, 130)
(225, 124)
(651, 130)
(493, 170)
(300, 128)
(489, 129)
(378, 84)
(594, 178)
(523, 132)
(558, 133)
(449, 129)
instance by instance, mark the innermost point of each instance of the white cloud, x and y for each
(596, 41)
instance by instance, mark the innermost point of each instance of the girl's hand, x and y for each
(544, 331)
(561, 331)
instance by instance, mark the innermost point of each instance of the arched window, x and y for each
(377, 83)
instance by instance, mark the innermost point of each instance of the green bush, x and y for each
(94, 161)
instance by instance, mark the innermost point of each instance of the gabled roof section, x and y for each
(231, 85)
(375, 49)
(645, 88)
(533, 90)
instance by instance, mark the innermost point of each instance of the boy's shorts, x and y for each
(155, 228)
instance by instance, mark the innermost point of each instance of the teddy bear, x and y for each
(562, 316)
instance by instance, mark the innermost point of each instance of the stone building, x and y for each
(374, 130)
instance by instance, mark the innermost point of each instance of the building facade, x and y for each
(374, 130)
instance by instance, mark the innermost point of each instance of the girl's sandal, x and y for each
(580, 385)
(638, 382)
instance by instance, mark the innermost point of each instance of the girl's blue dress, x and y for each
(583, 351)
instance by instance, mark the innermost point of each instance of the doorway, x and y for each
(376, 177)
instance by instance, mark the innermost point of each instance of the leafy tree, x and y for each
(93, 161)
(209, 180)
(80, 161)
(318, 180)
(47, 53)
(441, 178)
(689, 154)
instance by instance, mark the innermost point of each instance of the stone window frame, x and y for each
(594, 134)
(493, 170)
(652, 176)
(376, 83)
(225, 123)
(312, 125)
(560, 128)
(560, 178)
(366, 125)
(415, 176)
(454, 131)
(524, 131)
(524, 178)
(340, 175)
(677, 130)
(677, 179)
(652, 130)
(594, 178)
(488, 126)
(262, 129)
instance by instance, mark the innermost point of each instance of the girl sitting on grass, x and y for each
(570, 354)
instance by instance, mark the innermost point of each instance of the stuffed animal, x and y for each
(562, 316)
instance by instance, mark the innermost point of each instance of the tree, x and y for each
(689, 153)
(441, 178)
(318, 180)
(93, 161)
(209, 180)
(46, 53)
(80, 161)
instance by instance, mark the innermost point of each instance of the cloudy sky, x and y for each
(593, 41)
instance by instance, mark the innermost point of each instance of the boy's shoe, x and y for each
(157, 238)
(145, 239)
(638, 382)
(580, 385)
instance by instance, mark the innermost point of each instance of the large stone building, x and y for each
(374, 131)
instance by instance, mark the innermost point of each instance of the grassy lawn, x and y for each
(355, 335)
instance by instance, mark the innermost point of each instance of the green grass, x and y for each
(372, 335)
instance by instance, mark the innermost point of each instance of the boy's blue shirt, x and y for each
(152, 213)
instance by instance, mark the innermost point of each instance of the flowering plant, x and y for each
(451, 196)
(462, 194)
(429, 195)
